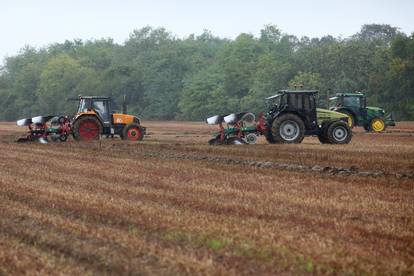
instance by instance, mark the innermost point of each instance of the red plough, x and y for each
(40, 128)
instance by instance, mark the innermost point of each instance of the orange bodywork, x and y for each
(84, 113)
(118, 118)
(124, 119)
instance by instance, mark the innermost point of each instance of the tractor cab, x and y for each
(352, 104)
(354, 100)
(300, 102)
(101, 105)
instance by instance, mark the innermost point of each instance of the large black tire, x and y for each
(87, 128)
(133, 132)
(323, 135)
(288, 128)
(351, 121)
(339, 132)
(268, 133)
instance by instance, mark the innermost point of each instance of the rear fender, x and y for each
(305, 121)
(90, 113)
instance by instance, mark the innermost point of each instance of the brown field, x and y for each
(174, 205)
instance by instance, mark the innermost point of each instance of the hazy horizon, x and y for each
(40, 23)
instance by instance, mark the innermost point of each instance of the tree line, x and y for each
(166, 77)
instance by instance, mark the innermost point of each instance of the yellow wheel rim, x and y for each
(377, 125)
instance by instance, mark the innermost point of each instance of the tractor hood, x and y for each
(329, 113)
(124, 119)
(326, 115)
(375, 109)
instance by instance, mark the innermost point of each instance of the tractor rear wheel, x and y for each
(288, 128)
(339, 133)
(133, 132)
(87, 128)
(268, 133)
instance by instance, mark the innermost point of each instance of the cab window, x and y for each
(352, 101)
(98, 106)
(101, 107)
(83, 106)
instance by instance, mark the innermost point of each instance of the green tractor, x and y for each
(355, 106)
(293, 114)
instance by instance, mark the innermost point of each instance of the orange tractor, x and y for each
(95, 117)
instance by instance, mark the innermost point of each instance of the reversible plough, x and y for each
(41, 128)
(241, 128)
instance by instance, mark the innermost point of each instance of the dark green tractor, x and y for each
(293, 114)
(355, 106)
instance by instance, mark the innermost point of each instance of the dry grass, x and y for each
(150, 208)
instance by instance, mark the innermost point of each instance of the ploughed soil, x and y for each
(172, 204)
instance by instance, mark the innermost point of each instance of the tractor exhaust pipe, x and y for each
(124, 105)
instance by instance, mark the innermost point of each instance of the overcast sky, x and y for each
(41, 22)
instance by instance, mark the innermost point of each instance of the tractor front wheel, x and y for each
(339, 133)
(133, 132)
(288, 128)
(377, 125)
(87, 128)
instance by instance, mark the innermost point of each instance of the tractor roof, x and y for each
(95, 97)
(282, 92)
(351, 94)
(80, 97)
(299, 91)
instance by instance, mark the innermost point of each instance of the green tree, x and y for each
(64, 77)
(165, 77)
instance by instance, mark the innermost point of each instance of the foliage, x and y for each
(165, 77)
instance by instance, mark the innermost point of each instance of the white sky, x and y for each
(41, 22)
